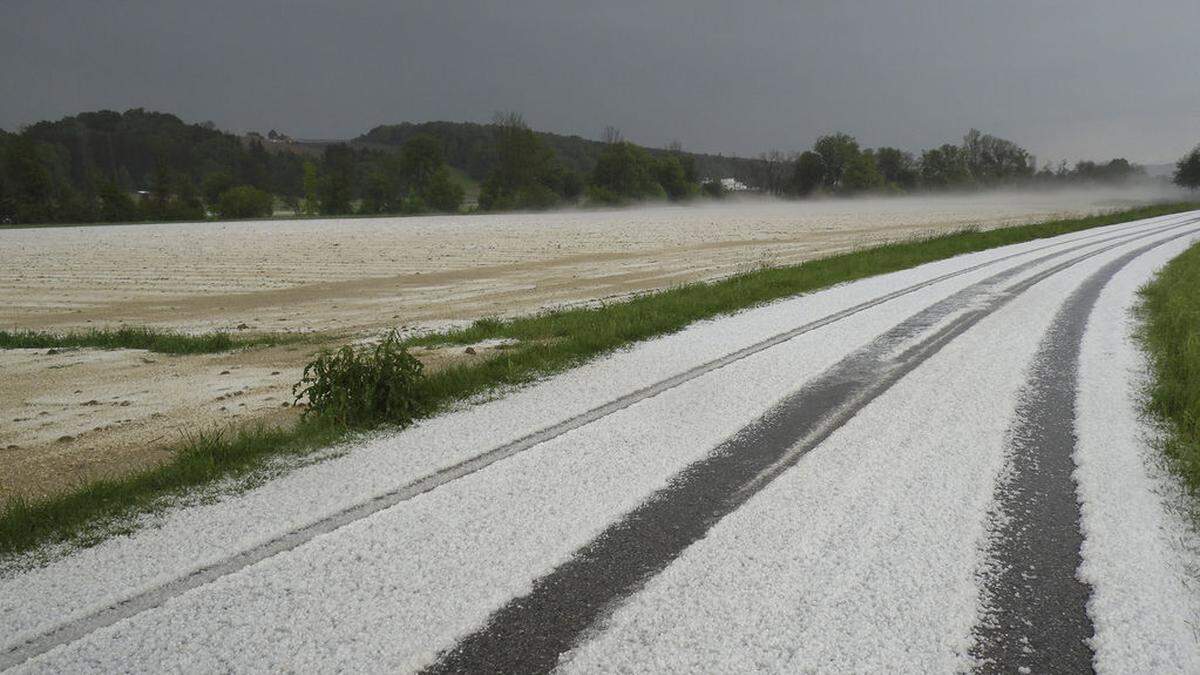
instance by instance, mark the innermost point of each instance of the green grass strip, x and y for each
(548, 343)
(1170, 334)
(103, 508)
(138, 337)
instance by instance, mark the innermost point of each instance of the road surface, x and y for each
(935, 470)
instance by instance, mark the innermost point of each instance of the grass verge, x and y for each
(1170, 334)
(165, 342)
(546, 343)
(104, 508)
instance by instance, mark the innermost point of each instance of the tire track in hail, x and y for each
(529, 633)
(1035, 611)
(75, 629)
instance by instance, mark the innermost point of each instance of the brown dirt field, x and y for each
(81, 414)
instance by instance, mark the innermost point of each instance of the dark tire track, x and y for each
(1036, 615)
(530, 633)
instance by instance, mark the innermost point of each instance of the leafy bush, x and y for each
(602, 197)
(670, 174)
(245, 202)
(442, 193)
(1187, 170)
(526, 174)
(361, 387)
(628, 172)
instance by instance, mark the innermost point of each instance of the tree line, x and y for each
(528, 174)
(836, 164)
(472, 148)
(147, 166)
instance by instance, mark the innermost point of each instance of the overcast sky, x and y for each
(1090, 79)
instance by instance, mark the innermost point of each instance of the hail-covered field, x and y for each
(82, 413)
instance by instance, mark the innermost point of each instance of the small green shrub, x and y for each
(245, 201)
(364, 386)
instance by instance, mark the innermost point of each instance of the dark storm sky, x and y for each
(1065, 79)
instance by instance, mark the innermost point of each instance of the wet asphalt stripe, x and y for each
(529, 633)
(1035, 616)
(75, 629)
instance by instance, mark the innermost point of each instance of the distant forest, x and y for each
(148, 166)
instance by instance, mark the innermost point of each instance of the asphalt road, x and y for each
(934, 470)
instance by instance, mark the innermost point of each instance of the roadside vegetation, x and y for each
(365, 386)
(1170, 333)
(138, 337)
(382, 386)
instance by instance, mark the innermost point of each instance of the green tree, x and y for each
(572, 185)
(8, 208)
(187, 204)
(215, 184)
(116, 206)
(524, 172)
(991, 159)
(860, 174)
(256, 166)
(670, 174)
(626, 171)
(32, 189)
(836, 151)
(245, 201)
(143, 149)
(944, 167)
(74, 206)
(156, 206)
(378, 193)
(1187, 170)
(442, 192)
(337, 184)
(897, 167)
(420, 158)
(808, 173)
(311, 186)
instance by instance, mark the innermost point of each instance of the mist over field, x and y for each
(1071, 197)
(455, 267)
